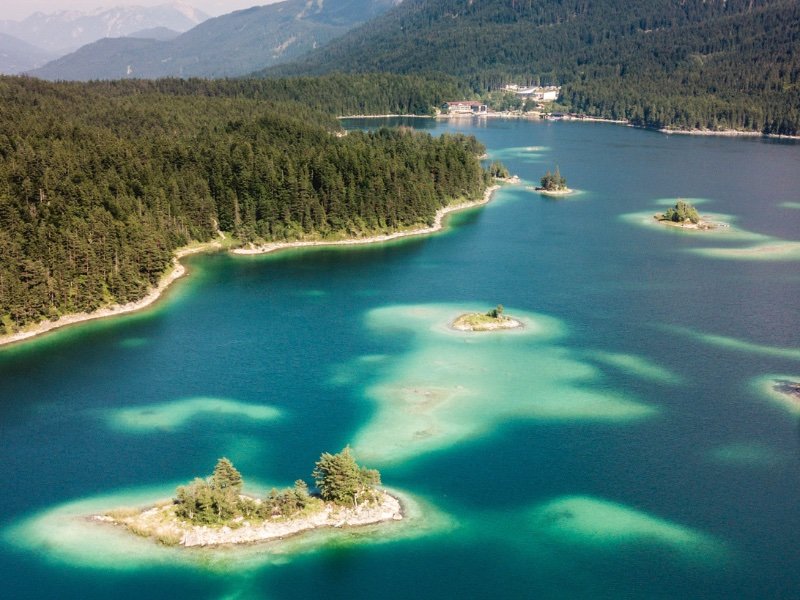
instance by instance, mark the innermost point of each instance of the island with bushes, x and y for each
(789, 391)
(553, 184)
(492, 320)
(684, 215)
(215, 511)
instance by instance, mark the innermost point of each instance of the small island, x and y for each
(553, 184)
(492, 320)
(684, 215)
(214, 511)
(789, 390)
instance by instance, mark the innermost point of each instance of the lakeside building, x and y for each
(465, 107)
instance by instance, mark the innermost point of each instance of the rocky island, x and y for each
(214, 511)
(684, 215)
(789, 390)
(553, 184)
(492, 320)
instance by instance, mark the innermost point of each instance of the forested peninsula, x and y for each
(100, 183)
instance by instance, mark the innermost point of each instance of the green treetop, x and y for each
(681, 212)
(342, 481)
(553, 181)
(496, 313)
(226, 476)
(498, 169)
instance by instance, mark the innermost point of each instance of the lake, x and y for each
(625, 443)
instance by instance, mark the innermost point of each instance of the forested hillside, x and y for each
(660, 63)
(99, 183)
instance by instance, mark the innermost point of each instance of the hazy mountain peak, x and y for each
(66, 30)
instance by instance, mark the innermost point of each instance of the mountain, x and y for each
(17, 56)
(661, 63)
(233, 44)
(162, 34)
(67, 30)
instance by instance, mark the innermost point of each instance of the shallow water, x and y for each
(624, 444)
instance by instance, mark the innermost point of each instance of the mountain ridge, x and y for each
(64, 31)
(230, 45)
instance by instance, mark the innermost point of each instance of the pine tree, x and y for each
(341, 480)
(226, 476)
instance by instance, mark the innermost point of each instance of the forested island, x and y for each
(553, 184)
(214, 511)
(684, 215)
(492, 320)
(100, 183)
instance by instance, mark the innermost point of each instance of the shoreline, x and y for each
(159, 523)
(461, 324)
(538, 115)
(388, 116)
(702, 225)
(176, 272)
(438, 225)
(556, 193)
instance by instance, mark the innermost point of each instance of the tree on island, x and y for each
(499, 170)
(218, 499)
(496, 313)
(211, 500)
(681, 212)
(552, 182)
(342, 481)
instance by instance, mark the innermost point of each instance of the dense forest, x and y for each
(659, 63)
(100, 182)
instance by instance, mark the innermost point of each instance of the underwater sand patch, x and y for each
(603, 525)
(65, 534)
(173, 415)
(451, 387)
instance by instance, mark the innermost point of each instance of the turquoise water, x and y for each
(624, 444)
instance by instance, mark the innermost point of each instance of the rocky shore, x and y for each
(161, 524)
(480, 322)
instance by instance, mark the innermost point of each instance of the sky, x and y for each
(19, 9)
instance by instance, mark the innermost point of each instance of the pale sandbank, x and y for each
(784, 390)
(66, 534)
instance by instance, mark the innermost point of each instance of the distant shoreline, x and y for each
(533, 115)
(178, 270)
(388, 116)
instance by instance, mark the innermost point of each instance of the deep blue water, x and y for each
(705, 489)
